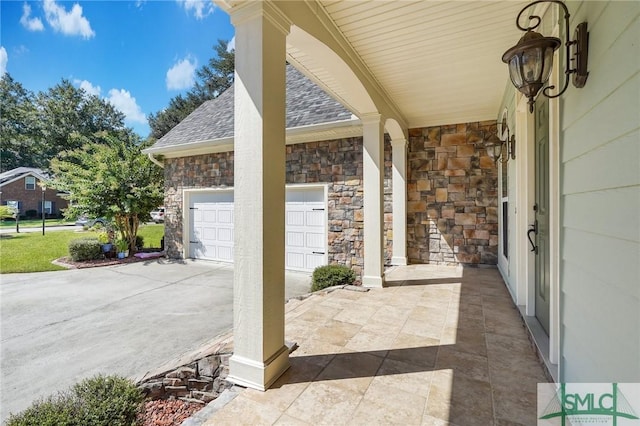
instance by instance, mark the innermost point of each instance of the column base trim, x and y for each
(258, 375)
(399, 261)
(373, 281)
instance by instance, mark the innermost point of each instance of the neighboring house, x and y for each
(427, 79)
(23, 186)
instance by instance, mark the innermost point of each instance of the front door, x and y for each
(541, 207)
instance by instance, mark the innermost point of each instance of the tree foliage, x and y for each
(213, 79)
(35, 128)
(17, 125)
(110, 178)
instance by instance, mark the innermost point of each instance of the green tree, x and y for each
(110, 178)
(19, 144)
(7, 212)
(35, 128)
(66, 111)
(213, 79)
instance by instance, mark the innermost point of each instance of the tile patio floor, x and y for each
(440, 346)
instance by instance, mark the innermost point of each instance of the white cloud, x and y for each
(3, 60)
(68, 23)
(200, 8)
(32, 24)
(125, 103)
(88, 87)
(232, 44)
(181, 75)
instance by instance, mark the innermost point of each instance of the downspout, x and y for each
(155, 161)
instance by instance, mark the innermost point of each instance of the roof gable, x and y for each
(20, 172)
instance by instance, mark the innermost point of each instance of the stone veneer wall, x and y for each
(452, 211)
(337, 163)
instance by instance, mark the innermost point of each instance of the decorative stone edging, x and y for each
(196, 377)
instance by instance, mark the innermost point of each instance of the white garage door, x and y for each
(306, 237)
(211, 234)
(211, 217)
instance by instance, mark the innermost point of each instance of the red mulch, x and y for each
(167, 412)
(67, 262)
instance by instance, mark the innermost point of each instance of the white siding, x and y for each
(600, 197)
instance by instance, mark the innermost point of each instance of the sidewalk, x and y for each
(448, 349)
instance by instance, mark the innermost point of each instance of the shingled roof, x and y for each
(306, 104)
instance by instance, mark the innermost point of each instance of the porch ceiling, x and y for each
(438, 61)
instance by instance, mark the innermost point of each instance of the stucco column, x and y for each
(260, 355)
(373, 187)
(399, 178)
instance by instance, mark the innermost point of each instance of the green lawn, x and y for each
(33, 252)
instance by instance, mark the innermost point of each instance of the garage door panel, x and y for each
(225, 235)
(295, 239)
(295, 217)
(315, 218)
(295, 261)
(313, 261)
(315, 240)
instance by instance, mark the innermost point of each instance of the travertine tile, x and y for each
(367, 341)
(404, 376)
(356, 314)
(286, 420)
(325, 404)
(336, 332)
(389, 406)
(244, 411)
(459, 399)
(471, 365)
(353, 371)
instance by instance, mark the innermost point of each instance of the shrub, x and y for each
(97, 401)
(103, 237)
(84, 249)
(108, 401)
(139, 241)
(60, 409)
(31, 214)
(330, 275)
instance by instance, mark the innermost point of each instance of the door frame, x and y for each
(525, 266)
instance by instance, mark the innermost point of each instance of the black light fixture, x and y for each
(495, 144)
(530, 61)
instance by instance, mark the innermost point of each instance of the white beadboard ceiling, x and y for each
(438, 61)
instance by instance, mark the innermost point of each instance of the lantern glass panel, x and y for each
(532, 64)
(514, 71)
(548, 62)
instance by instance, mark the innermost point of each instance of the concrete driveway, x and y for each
(60, 327)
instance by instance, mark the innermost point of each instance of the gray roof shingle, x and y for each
(306, 104)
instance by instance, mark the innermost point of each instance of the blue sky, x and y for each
(137, 54)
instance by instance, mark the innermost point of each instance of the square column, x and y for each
(373, 186)
(260, 355)
(399, 179)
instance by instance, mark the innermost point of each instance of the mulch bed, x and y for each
(70, 264)
(167, 412)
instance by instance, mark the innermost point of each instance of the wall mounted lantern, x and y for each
(531, 60)
(495, 144)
